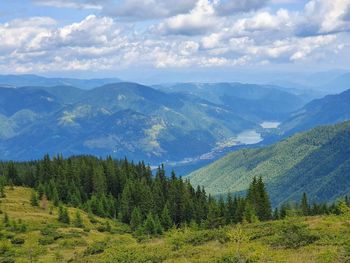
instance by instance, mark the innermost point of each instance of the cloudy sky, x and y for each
(133, 37)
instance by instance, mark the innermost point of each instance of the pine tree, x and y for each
(249, 213)
(149, 225)
(2, 186)
(34, 199)
(165, 218)
(276, 214)
(41, 191)
(126, 203)
(78, 221)
(6, 220)
(136, 219)
(63, 215)
(158, 229)
(230, 209)
(304, 205)
(263, 202)
(213, 219)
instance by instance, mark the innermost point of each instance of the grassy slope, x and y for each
(17, 205)
(187, 245)
(294, 161)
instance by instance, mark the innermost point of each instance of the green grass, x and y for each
(311, 239)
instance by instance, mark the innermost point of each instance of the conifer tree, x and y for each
(304, 205)
(78, 221)
(230, 209)
(2, 186)
(149, 225)
(276, 214)
(249, 213)
(158, 229)
(263, 202)
(6, 220)
(213, 219)
(136, 219)
(165, 218)
(63, 215)
(34, 201)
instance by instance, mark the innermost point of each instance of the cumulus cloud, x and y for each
(78, 4)
(198, 21)
(154, 9)
(147, 9)
(230, 7)
(326, 17)
(200, 33)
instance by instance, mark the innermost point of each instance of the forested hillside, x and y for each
(112, 120)
(316, 162)
(331, 109)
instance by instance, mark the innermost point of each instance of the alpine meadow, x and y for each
(151, 131)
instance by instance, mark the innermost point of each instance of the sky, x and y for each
(155, 40)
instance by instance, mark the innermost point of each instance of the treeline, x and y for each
(130, 192)
(149, 203)
(305, 208)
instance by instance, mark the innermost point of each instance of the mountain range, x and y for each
(184, 125)
(34, 80)
(130, 119)
(328, 110)
(316, 162)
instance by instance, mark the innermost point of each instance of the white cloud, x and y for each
(198, 21)
(70, 4)
(229, 7)
(147, 9)
(200, 37)
(324, 17)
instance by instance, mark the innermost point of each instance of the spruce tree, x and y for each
(230, 209)
(2, 186)
(165, 218)
(158, 229)
(249, 213)
(263, 203)
(149, 225)
(304, 205)
(78, 221)
(63, 215)
(34, 201)
(276, 214)
(136, 219)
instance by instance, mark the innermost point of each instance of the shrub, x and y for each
(95, 248)
(47, 240)
(293, 235)
(4, 248)
(7, 260)
(17, 241)
(72, 243)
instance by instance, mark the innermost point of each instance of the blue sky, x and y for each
(130, 38)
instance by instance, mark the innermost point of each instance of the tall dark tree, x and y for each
(304, 205)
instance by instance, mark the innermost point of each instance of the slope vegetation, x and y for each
(43, 239)
(316, 162)
(328, 110)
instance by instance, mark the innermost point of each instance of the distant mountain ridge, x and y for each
(328, 110)
(113, 119)
(256, 102)
(316, 162)
(34, 80)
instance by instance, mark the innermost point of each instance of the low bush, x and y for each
(293, 235)
(47, 240)
(17, 241)
(95, 248)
